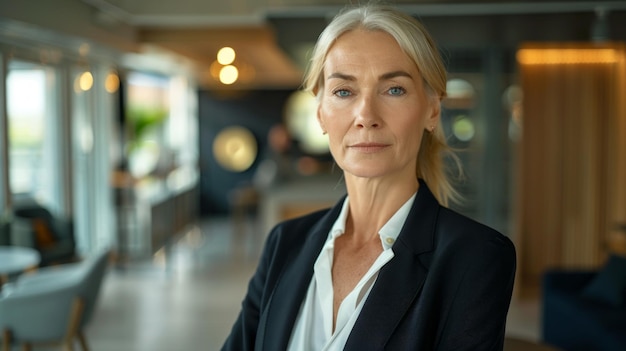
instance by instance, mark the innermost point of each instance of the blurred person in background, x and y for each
(389, 267)
(276, 166)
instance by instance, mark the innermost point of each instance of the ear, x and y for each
(320, 120)
(435, 114)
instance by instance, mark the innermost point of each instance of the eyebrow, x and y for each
(338, 75)
(395, 74)
(385, 76)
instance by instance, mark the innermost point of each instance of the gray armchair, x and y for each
(52, 305)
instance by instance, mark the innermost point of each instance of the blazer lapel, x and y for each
(292, 286)
(400, 280)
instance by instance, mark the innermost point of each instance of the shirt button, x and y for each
(389, 241)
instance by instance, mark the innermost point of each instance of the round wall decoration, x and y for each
(235, 149)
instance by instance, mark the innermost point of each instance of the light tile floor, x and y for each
(184, 298)
(187, 298)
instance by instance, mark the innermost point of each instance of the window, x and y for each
(33, 151)
(148, 109)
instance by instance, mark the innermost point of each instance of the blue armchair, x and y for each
(53, 304)
(574, 322)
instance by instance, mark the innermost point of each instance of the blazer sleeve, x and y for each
(243, 334)
(476, 319)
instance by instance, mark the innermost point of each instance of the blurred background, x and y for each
(174, 133)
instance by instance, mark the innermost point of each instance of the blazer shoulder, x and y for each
(460, 229)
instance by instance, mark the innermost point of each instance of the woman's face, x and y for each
(374, 106)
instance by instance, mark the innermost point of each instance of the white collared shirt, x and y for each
(313, 327)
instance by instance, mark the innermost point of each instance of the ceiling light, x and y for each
(229, 74)
(226, 55)
(112, 82)
(85, 81)
(566, 56)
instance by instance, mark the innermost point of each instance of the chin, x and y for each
(378, 169)
(363, 171)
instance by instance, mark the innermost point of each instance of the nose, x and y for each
(367, 114)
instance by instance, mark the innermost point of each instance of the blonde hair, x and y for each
(417, 43)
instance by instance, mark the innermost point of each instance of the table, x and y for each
(16, 259)
(296, 198)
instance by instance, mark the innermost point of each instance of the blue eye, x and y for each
(397, 91)
(342, 93)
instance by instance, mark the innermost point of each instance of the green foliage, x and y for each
(142, 119)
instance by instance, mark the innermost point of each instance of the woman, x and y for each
(389, 267)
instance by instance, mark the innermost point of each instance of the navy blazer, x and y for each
(448, 286)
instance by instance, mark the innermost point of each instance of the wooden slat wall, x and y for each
(616, 170)
(571, 189)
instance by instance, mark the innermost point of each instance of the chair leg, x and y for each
(6, 340)
(75, 316)
(73, 327)
(83, 340)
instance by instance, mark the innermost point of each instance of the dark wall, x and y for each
(256, 110)
(511, 31)
(467, 31)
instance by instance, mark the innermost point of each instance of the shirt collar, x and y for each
(388, 233)
(340, 224)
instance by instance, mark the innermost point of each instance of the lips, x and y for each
(368, 147)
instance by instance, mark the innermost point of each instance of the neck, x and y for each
(374, 201)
